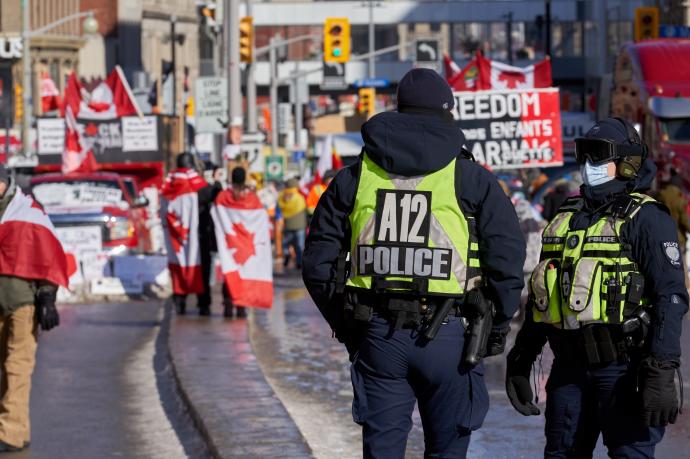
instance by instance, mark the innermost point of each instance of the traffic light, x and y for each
(18, 103)
(367, 101)
(336, 40)
(646, 23)
(247, 39)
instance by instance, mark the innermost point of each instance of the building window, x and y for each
(566, 39)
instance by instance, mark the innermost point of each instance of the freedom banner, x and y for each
(511, 129)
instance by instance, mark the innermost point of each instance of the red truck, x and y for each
(107, 200)
(651, 88)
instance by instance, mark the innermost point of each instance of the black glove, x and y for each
(518, 386)
(658, 392)
(46, 312)
(497, 341)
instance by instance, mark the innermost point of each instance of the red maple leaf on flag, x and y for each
(243, 243)
(91, 130)
(178, 233)
(512, 79)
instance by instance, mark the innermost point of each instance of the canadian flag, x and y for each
(450, 67)
(328, 159)
(50, 95)
(466, 79)
(31, 249)
(496, 75)
(244, 246)
(180, 218)
(110, 99)
(76, 157)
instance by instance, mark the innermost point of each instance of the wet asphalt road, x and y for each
(309, 372)
(103, 388)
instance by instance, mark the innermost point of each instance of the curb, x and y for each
(191, 409)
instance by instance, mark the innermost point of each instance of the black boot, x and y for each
(204, 310)
(241, 312)
(228, 310)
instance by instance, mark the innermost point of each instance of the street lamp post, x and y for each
(90, 26)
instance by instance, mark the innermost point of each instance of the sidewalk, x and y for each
(232, 404)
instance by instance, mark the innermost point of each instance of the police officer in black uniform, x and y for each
(609, 296)
(429, 237)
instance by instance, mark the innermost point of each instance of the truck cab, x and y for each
(105, 200)
(652, 90)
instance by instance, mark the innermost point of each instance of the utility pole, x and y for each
(547, 26)
(273, 59)
(509, 33)
(173, 39)
(232, 38)
(251, 85)
(26, 80)
(372, 41)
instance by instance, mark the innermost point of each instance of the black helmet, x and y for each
(609, 140)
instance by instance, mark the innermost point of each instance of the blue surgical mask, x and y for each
(595, 175)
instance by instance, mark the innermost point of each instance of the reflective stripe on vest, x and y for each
(412, 228)
(585, 276)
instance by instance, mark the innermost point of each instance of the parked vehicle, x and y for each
(107, 200)
(652, 90)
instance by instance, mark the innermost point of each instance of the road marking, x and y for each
(148, 418)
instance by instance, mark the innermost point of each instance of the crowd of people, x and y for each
(287, 205)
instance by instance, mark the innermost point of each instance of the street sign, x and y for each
(372, 83)
(427, 53)
(284, 117)
(274, 168)
(211, 97)
(333, 76)
(674, 31)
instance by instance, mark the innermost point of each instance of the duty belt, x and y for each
(403, 311)
(598, 343)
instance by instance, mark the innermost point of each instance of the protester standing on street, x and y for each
(32, 265)
(609, 297)
(207, 239)
(180, 218)
(419, 256)
(317, 190)
(244, 247)
(293, 208)
(672, 196)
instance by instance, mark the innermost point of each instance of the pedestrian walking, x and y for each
(180, 218)
(431, 237)
(609, 296)
(32, 266)
(244, 246)
(293, 208)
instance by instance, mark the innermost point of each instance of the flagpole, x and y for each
(121, 74)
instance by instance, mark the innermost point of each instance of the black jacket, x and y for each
(411, 145)
(207, 235)
(649, 233)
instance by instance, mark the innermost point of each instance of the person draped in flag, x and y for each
(32, 266)
(180, 217)
(244, 246)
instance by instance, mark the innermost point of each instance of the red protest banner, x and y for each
(511, 129)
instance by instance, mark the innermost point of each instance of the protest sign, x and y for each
(511, 129)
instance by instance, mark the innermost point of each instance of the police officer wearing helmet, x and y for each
(609, 296)
(425, 229)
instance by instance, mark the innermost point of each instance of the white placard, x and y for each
(85, 243)
(51, 136)
(211, 105)
(139, 134)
